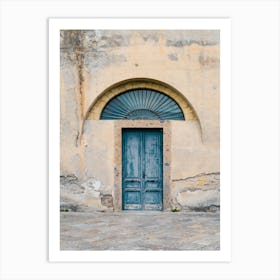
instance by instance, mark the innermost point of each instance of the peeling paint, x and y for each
(198, 193)
(78, 195)
(196, 176)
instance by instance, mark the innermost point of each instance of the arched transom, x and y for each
(142, 104)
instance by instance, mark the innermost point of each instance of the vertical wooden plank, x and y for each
(132, 154)
(152, 154)
(152, 194)
(132, 197)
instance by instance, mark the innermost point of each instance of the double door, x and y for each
(142, 169)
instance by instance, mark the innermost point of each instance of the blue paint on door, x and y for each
(142, 169)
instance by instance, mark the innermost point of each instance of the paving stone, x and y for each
(140, 231)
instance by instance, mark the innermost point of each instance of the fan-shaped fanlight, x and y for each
(143, 104)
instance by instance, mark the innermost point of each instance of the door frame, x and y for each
(166, 150)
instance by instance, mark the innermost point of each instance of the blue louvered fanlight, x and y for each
(143, 104)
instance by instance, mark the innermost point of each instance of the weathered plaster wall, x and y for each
(94, 189)
(195, 168)
(93, 61)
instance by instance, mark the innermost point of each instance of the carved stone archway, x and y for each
(95, 109)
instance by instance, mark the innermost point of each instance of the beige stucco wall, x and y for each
(93, 61)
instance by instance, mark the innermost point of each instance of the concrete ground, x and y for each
(140, 231)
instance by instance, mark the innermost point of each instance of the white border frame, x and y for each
(55, 254)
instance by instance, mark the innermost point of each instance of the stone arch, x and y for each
(95, 109)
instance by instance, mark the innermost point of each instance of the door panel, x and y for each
(132, 155)
(142, 169)
(151, 154)
(132, 200)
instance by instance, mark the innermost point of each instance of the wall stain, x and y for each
(208, 61)
(183, 43)
(173, 56)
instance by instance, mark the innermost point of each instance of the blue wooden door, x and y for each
(142, 169)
